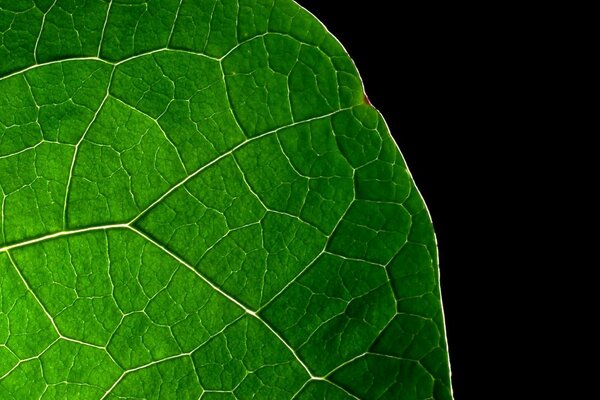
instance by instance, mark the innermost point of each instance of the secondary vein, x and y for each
(61, 234)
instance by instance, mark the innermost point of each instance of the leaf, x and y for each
(198, 202)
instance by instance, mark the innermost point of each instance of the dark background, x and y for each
(430, 99)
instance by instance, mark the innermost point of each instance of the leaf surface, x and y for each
(197, 201)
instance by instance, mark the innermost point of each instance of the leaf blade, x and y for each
(220, 212)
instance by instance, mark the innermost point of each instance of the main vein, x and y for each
(61, 234)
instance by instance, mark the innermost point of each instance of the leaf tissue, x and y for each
(197, 202)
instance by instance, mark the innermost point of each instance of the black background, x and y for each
(420, 68)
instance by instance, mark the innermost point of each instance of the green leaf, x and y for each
(198, 202)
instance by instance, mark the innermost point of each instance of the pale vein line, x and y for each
(343, 389)
(231, 109)
(164, 49)
(210, 19)
(286, 345)
(243, 42)
(77, 145)
(301, 389)
(293, 280)
(104, 28)
(35, 66)
(174, 23)
(368, 353)
(224, 294)
(14, 264)
(37, 41)
(25, 150)
(129, 371)
(362, 260)
(342, 365)
(97, 58)
(188, 266)
(61, 234)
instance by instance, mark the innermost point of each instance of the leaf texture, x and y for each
(197, 202)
